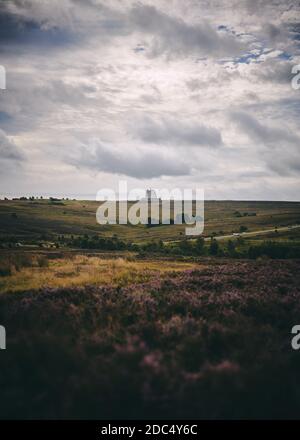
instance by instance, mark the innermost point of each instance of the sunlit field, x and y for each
(80, 270)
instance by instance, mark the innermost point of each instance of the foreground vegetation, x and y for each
(211, 342)
(21, 271)
(31, 270)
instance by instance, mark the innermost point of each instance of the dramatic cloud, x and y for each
(174, 93)
(64, 19)
(141, 165)
(174, 36)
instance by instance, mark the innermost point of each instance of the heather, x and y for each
(209, 342)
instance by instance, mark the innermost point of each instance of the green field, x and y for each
(29, 222)
(59, 243)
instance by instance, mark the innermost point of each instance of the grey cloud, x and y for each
(58, 98)
(274, 71)
(54, 23)
(283, 162)
(22, 108)
(68, 21)
(173, 132)
(63, 21)
(262, 133)
(20, 26)
(140, 164)
(8, 150)
(285, 165)
(273, 31)
(282, 154)
(175, 36)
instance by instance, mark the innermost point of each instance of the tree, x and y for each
(231, 248)
(237, 214)
(184, 246)
(214, 247)
(199, 246)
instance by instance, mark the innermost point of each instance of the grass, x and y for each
(80, 270)
(33, 221)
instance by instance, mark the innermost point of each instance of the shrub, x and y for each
(42, 261)
(231, 248)
(274, 250)
(199, 246)
(22, 260)
(214, 247)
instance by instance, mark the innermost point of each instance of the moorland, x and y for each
(136, 322)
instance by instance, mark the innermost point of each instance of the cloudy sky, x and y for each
(161, 93)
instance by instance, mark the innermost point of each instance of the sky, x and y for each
(160, 93)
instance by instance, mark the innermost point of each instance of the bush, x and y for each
(42, 261)
(231, 248)
(199, 247)
(96, 242)
(22, 260)
(274, 250)
(214, 247)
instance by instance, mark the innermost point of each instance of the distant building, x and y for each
(151, 194)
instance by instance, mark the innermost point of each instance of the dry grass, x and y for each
(82, 270)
